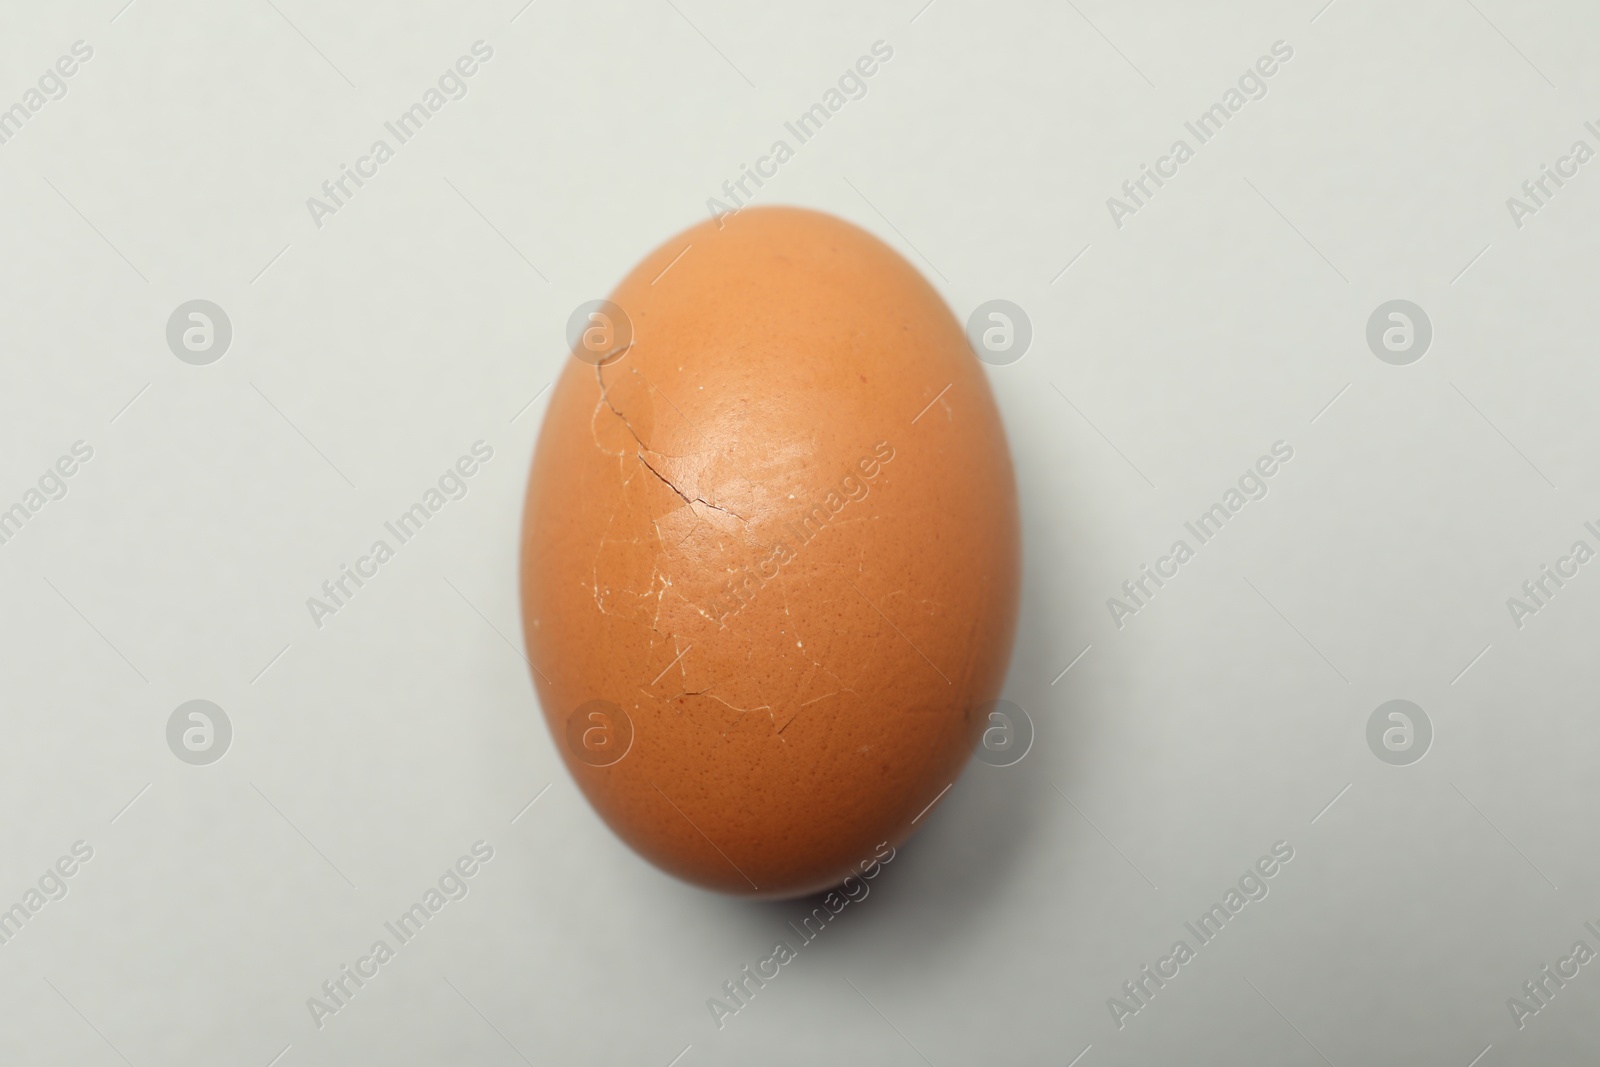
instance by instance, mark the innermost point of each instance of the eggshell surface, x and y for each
(770, 554)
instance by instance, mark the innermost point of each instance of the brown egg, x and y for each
(770, 554)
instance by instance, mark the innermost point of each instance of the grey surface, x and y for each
(1231, 712)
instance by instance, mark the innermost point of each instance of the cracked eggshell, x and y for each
(770, 555)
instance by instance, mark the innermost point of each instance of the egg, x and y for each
(770, 553)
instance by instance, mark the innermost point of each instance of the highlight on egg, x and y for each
(770, 553)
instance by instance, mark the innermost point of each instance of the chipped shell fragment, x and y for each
(756, 548)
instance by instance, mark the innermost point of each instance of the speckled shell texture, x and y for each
(780, 534)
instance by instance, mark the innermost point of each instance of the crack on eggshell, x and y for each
(685, 497)
(605, 404)
(731, 706)
(805, 683)
(707, 692)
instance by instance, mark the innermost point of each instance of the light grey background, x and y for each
(367, 355)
